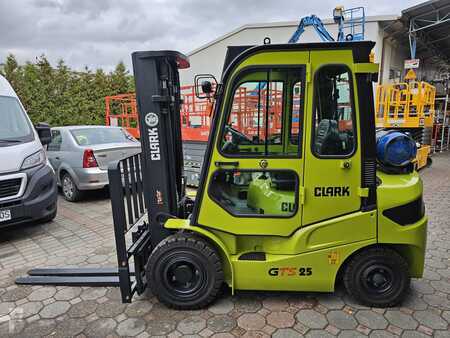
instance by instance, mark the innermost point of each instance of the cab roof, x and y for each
(360, 49)
(5, 88)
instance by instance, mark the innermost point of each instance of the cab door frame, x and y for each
(254, 224)
(324, 172)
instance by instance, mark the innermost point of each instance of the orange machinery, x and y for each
(196, 113)
(196, 117)
(121, 111)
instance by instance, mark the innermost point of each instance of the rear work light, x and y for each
(89, 160)
(395, 148)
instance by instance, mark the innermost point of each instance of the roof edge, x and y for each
(327, 21)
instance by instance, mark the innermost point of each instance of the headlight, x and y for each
(34, 160)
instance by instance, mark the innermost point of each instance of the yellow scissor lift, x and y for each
(408, 106)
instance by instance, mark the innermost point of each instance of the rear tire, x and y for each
(185, 272)
(377, 277)
(69, 189)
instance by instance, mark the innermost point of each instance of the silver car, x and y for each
(80, 156)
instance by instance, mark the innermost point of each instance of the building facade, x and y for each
(210, 57)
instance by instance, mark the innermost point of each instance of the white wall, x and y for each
(210, 59)
(393, 61)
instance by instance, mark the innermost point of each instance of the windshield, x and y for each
(93, 136)
(14, 125)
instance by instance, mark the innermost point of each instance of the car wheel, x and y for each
(185, 272)
(377, 277)
(69, 189)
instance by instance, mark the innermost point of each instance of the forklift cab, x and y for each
(286, 142)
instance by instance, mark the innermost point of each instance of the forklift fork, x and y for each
(132, 237)
(72, 277)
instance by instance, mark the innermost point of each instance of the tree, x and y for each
(61, 96)
(11, 70)
(120, 79)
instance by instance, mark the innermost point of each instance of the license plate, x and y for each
(5, 215)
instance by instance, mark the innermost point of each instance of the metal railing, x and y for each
(405, 105)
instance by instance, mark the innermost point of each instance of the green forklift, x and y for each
(296, 191)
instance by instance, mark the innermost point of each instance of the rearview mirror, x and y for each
(207, 84)
(374, 77)
(207, 87)
(43, 130)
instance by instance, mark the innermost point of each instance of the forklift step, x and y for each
(69, 280)
(253, 256)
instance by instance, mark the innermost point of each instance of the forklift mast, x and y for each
(158, 101)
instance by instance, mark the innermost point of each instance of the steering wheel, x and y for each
(237, 137)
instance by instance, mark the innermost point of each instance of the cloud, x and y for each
(99, 33)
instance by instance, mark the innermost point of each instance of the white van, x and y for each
(28, 189)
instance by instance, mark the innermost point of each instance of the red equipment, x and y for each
(196, 113)
(121, 111)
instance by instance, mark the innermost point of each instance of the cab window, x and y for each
(262, 104)
(334, 126)
(55, 144)
(297, 108)
(270, 193)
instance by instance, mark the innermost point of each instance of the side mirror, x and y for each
(207, 87)
(43, 130)
(207, 83)
(374, 77)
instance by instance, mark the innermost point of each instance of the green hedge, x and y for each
(62, 96)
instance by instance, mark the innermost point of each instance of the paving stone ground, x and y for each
(82, 235)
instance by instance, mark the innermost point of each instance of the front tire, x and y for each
(69, 189)
(185, 272)
(377, 277)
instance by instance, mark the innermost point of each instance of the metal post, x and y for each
(448, 138)
(412, 40)
(444, 120)
(447, 117)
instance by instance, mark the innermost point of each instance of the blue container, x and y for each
(395, 148)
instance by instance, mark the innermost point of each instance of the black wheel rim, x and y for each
(377, 279)
(183, 275)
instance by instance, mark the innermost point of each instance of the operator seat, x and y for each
(327, 137)
(284, 180)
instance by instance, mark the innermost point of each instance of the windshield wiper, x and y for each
(10, 141)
